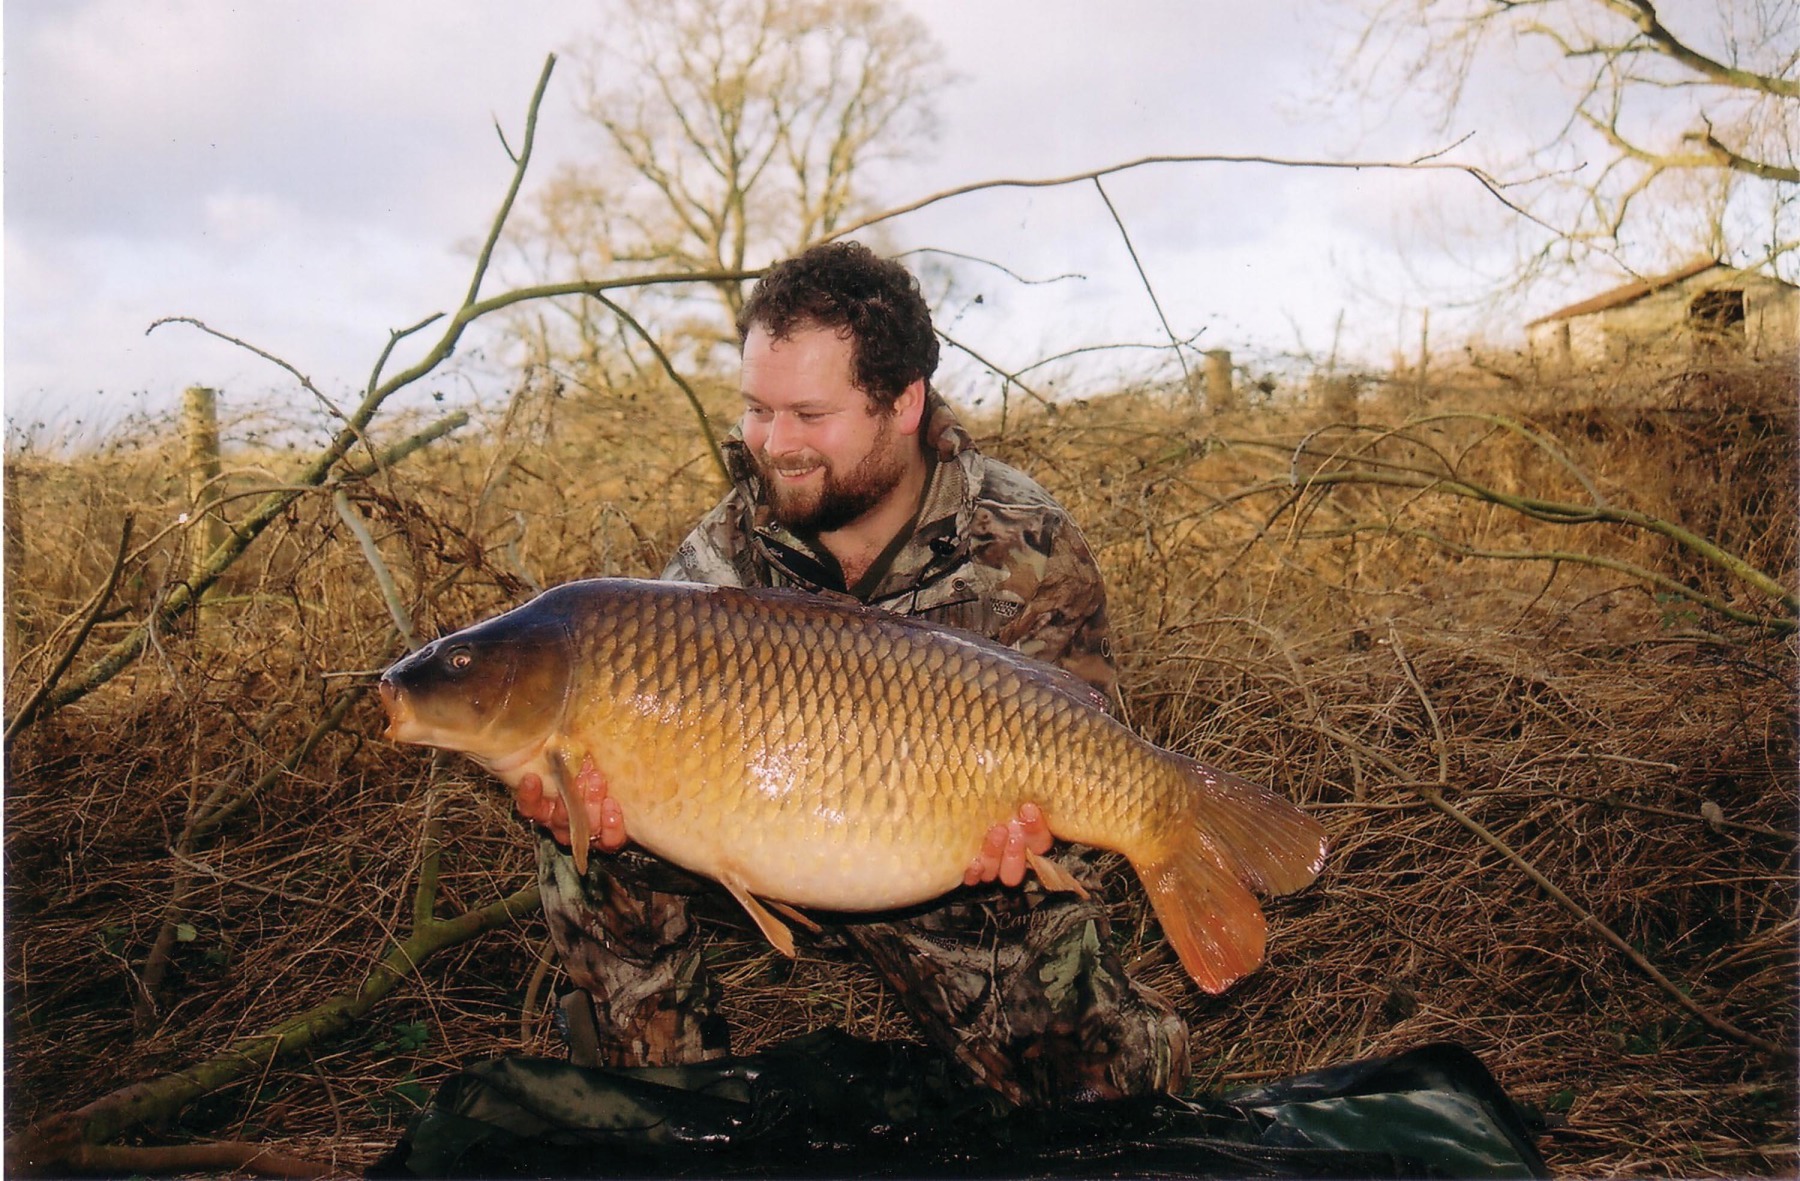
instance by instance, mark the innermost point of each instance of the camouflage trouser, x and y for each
(643, 995)
(1023, 987)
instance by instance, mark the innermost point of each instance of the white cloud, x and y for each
(237, 218)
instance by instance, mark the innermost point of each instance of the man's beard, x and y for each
(840, 500)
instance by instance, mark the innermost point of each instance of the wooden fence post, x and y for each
(200, 428)
(1221, 396)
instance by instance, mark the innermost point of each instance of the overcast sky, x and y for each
(309, 174)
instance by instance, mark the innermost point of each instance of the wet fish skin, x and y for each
(822, 754)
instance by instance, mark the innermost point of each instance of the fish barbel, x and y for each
(822, 754)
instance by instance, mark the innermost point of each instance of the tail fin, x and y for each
(1237, 837)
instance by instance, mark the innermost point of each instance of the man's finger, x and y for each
(610, 832)
(1037, 832)
(986, 865)
(528, 797)
(1012, 861)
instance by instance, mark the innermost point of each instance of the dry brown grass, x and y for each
(1566, 708)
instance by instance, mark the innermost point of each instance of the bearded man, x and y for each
(851, 477)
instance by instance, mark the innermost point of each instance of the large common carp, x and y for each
(818, 753)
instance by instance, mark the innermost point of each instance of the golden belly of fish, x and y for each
(827, 755)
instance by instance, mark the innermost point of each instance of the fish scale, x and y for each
(827, 755)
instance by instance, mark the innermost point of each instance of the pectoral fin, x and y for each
(1053, 875)
(798, 917)
(577, 810)
(773, 929)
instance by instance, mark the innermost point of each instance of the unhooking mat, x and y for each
(830, 1105)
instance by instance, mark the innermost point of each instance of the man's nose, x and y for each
(784, 435)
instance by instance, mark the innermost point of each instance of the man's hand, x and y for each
(606, 820)
(1003, 851)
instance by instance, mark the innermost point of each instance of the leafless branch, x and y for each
(1422, 164)
(1643, 14)
(988, 262)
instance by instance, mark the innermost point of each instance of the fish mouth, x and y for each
(399, 712)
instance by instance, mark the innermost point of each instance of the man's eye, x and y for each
(759, 413)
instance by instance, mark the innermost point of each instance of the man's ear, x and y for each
(909, 408)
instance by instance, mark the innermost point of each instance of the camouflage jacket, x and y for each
(990, 551)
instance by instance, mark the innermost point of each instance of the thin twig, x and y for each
(337, 1112)
(1009, 378)
(988, 262)
(520, 161)
(1564, 513)
(539, 973)
(1587, 918)
(1662, 582)
(1419, 164)
(201, 822)
(1611, 801)
(1536, 437)
(384, 578)
(1145, 279)
(693, 399)
(405, 447)
(217, 811)
(219, 875)
(395, 336)
(430, 853)
(306, 382)
(1157, 346)
(431, 847)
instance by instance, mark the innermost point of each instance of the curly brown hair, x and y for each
(874, 302)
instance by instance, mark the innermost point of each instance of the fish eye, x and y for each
(460, 657)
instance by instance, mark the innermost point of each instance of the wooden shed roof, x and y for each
(1629, 292)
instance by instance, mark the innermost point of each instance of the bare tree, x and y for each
(1666, 135)
(731, 133)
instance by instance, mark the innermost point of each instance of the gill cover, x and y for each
(486, 690)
